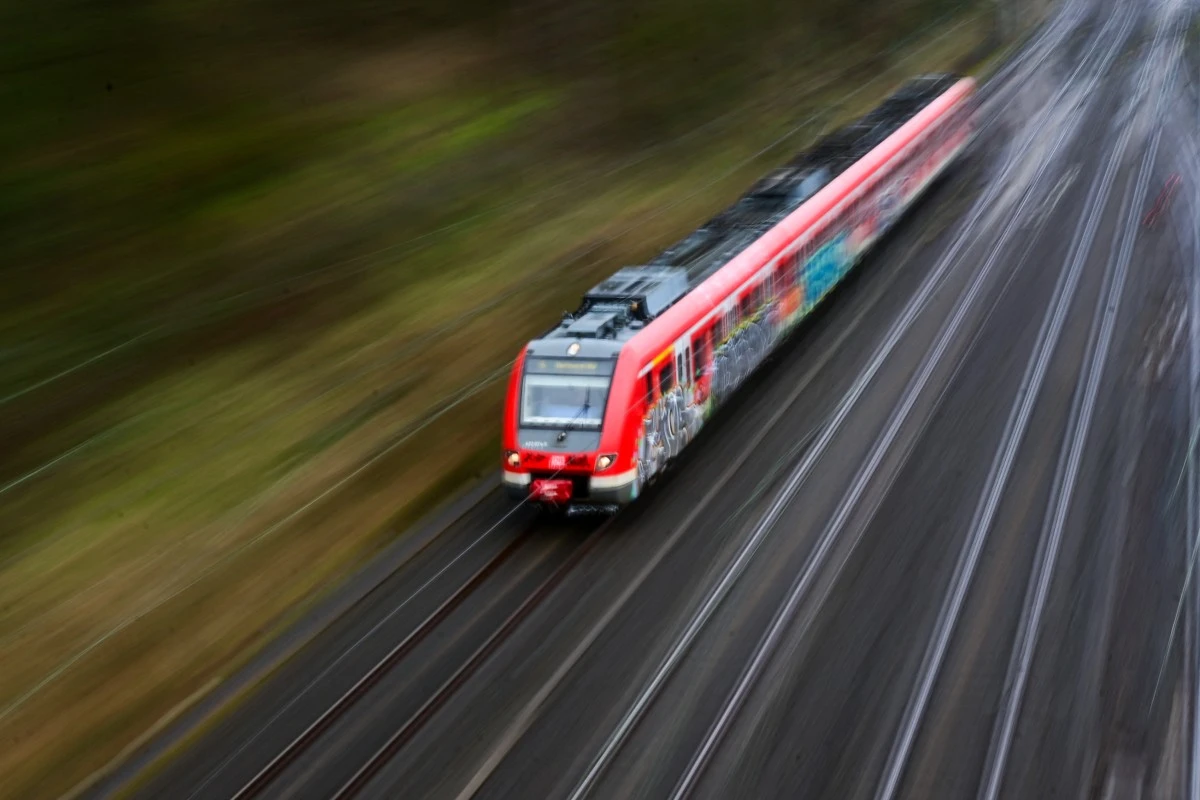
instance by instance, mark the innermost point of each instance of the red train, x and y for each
(601, 404)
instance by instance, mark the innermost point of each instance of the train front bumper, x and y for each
(618, 489)
(516, 484)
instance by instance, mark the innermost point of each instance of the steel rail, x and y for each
(340, 707)
(375, 764)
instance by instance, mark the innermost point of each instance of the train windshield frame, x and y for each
(557, 393)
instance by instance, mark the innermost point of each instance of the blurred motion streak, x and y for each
(265, 264)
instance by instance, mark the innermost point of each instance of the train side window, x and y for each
(649, 388)
(666, 378)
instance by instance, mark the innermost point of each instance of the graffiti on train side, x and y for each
(672, 422)
(826, 268)
(675, 419)
(667, 428)
(741, 354)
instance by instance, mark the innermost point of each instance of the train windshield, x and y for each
(566, 401)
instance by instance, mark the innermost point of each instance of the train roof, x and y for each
(701, 300)
(623, 304)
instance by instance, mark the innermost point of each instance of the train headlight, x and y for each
(604, 462)
(513, 459)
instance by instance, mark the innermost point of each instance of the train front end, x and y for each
(557, 450)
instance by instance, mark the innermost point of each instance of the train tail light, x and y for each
(604, 462)
(512, 458)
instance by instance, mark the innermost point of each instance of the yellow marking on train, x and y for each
(661, 357)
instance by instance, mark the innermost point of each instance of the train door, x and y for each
(702, 351)
(683, 363)
(786, 295)
(686, 391)
(668, 416)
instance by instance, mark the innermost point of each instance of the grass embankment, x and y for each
(246, 346)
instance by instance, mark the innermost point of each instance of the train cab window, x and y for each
(574, 401)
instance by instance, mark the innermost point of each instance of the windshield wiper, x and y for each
(570, 426)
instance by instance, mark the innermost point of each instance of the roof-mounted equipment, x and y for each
(642, 292)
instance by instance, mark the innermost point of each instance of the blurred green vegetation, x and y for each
(252, 246)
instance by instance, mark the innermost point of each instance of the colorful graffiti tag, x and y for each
(825, 269)
(667, 428)
(677, 417)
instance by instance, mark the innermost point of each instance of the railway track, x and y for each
(1079, 426)
(362, 777)
(513, 579)
(1084, 240)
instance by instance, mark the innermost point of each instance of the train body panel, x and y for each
(602, 404)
